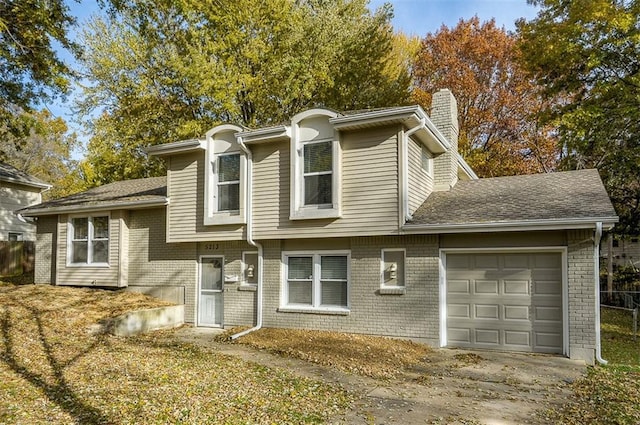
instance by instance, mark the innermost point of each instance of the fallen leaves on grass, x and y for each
(607, 395)
(376, 357)
(53, 371)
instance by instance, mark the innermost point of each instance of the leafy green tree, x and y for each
(172, 69)
(588, 53)
(31, 70)
(30, 66)
(44, 150)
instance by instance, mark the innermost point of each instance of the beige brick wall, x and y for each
(239, 298)
(582, 302)
(413, 315)
(444, 115)
(155, 264)
(46, 241)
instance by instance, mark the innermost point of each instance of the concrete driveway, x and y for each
(450, 387)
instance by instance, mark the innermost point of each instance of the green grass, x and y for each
(618, 345)
(608, 394)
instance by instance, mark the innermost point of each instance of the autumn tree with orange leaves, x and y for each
(497, 101)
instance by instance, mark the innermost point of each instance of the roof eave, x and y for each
(70, 209)
(464, 166)
(175, 147)
(265, 134)
(45, 186)
(511, 226)
(410, 116)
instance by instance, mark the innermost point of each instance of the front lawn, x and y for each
(54, 370)
(609, 394)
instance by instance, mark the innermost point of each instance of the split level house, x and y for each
(365, 222)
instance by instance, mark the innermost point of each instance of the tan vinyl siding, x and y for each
(369, 189)
(185, 177)
(123, 244)
(88, 275)
(420, 182)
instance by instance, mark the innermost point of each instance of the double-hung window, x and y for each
(227, 171)
(318, 173)
(89, 240)
(225, 179)
(316, 281)
(316, 153)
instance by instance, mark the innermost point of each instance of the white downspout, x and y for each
(250, 241)
(596, 271)
(405, 168)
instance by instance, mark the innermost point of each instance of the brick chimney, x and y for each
(444, 115)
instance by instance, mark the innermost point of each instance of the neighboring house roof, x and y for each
(11, 174)
(565, 199)
(138, 193)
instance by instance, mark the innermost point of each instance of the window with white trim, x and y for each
(316, 281)
(392, 269)
(315, 166)
(318, 173)
(89, 240)
(427, 160)
(227, 182)
(15, 237)
(225, 177)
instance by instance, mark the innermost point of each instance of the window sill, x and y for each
(326, 311)
(390, 290)
(314, 213)
(218, 219)
(87, 265)
(248, 287)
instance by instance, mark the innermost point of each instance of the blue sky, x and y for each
(413, 17)
(419, 17)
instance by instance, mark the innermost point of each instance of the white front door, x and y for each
(210, 304)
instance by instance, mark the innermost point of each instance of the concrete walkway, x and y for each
(450, 387)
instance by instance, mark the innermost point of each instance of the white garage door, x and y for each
(505, 301)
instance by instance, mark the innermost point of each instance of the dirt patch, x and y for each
(446, 386)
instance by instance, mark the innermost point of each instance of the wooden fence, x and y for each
(16, 258)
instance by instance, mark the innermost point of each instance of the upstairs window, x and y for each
(315, 166)
(318, 174)
(228, 182)
(225, 177)
(89, 240)
(427, 161)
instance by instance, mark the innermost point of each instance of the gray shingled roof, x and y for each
(12, 174)
(109, 195)
(566, 196)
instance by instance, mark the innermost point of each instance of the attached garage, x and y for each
(505, 300)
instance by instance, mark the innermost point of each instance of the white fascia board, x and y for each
(45, 186)
(408, 115)
(175, 147)
(372, 117)
(511, 226)
(101, 207)
(467, 168)
(265, 134)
